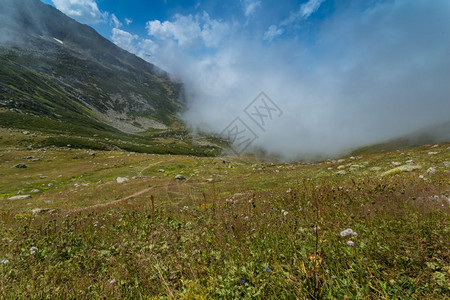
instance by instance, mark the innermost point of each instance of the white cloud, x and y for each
(84, 11)
(273, 32)
(304, 12)
(250, 7)
(128, 21)
(115, 21)
(125, 40)
(189, 31)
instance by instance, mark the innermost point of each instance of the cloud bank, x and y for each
(366, 74)
(84, 11)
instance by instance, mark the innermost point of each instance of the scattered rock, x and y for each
(396, 163)
(210, 180)
(38, 211)
(401, 169)
(35, 159)
(20, 197)
(122, 179)
(432, 153)
(357, 166)
(342, 172)
(100, 182)
(91, 153)
(446, 164)
(50, 185)
(21, 166)
(375, 169)
(341, 167)
(410, 162)
(180, 177)
(35, 191)
(161, 170)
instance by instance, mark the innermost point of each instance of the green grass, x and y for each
(226, 239)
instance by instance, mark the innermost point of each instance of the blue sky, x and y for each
(254, 16)
(345, 72)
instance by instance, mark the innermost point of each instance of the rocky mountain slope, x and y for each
(55, 68)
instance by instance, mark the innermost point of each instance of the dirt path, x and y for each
(154, 164)
(136, 194)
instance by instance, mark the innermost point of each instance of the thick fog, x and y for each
(368, 75)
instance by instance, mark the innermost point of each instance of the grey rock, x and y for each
(122, 179)
(20, 197)
(21, 166)
(180, 177)
(38, 211)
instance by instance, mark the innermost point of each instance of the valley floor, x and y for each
(82, 223)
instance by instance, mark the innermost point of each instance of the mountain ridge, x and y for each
(112, 84)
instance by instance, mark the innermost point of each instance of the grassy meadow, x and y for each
(235, 228)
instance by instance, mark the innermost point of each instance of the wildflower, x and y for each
(112, 281)
(315, 228)
(253, 230)
(348, 231)
(289, 190)
(365, 259)
(33, 250)
(285, 213)
(246, 218)
(267, 270)
(351, 243)
(242, 281)
(4, 261)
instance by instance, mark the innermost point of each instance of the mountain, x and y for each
(57, 75)
(428, 135)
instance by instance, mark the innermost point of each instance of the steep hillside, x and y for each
(53, 67)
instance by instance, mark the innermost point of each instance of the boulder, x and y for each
(21, 166)
(401, 169)
(20, 197)
(122, 179)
